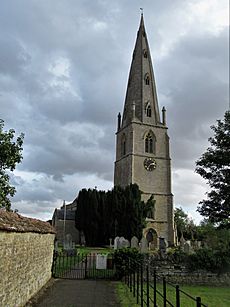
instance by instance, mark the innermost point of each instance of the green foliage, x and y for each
(10, 155)
(126, 260)
(103, 215)
(213, 257)
(185, 226)
(177, 256)
(214, 166)
(217, 261)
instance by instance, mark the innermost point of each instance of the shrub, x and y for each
(126, 260)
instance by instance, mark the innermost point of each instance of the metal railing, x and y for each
(151, 289)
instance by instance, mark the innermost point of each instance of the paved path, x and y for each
(79, 293)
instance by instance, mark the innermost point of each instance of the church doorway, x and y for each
(151, 237)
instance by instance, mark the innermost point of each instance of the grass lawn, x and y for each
(211, 296)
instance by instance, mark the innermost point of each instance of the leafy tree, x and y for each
(214, 166)
(185, 225)
(10, 155)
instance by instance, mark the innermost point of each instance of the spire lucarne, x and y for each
(142, 148)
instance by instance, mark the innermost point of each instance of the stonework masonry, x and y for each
(141, 124)
(25, 258)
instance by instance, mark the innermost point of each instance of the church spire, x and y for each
(141, 89)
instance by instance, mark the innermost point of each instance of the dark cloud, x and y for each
(63, 77)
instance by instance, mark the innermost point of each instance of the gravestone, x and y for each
(82, 238)
(182, 241)
(162, 244)
(68, 243)
(122, 243)
(115, 245)
(110, 243)
(134, 242)
(187, 248)
(144, 245)
(101, 261)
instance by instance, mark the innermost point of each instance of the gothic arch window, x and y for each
(145, 53)
(149, 111)
(123, 145)
(147, 80)
(150, 142)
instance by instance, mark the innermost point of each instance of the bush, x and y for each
(216, 261)
(127, 260)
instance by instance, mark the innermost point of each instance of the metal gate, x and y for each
(71, 265)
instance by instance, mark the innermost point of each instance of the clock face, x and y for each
(150, 164)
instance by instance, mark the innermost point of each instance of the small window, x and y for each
(123, 145)
(147, 80)
(150, 143)
(145, 54)
(149, 111)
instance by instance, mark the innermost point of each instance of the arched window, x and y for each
(150, 143)
(149, 111)
(123, 145)
(145, 54)
(147, 80)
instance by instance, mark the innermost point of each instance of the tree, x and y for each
(103, 215)
(185, 225)
(214, 166)
(10, 155)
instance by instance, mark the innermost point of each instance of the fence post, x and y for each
(86, 266)
(138, 268)
(198, 302)
(164, 292)
(155, 288)
(177, 296)
(142, 302)
(134, 281)
(130, 276)
(147, 284)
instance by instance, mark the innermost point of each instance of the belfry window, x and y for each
(149, 111)
(150, 143)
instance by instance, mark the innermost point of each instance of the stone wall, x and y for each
(178, 274)
(26, 255)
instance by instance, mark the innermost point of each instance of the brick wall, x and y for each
(26, 252)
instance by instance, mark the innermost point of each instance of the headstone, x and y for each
(68, 243)
(123, 243)
(115, 245)
(82, 238)
(182, 241)
(134, 242)
(144, 245)
(56, 246)
(162, 244)
(110, 243)
(101, 261)
(187, 248)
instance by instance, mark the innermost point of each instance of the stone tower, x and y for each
(142, 143)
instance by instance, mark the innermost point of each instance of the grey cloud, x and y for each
(70, 120)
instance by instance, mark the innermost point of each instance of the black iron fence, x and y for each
(73, 265)
(151, 289)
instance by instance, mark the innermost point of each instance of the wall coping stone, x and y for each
(10, 221)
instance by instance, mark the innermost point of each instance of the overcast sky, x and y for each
(63, 75)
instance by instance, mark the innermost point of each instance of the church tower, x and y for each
(142, 143)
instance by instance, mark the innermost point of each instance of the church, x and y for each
(142, 143)
(142, 150)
